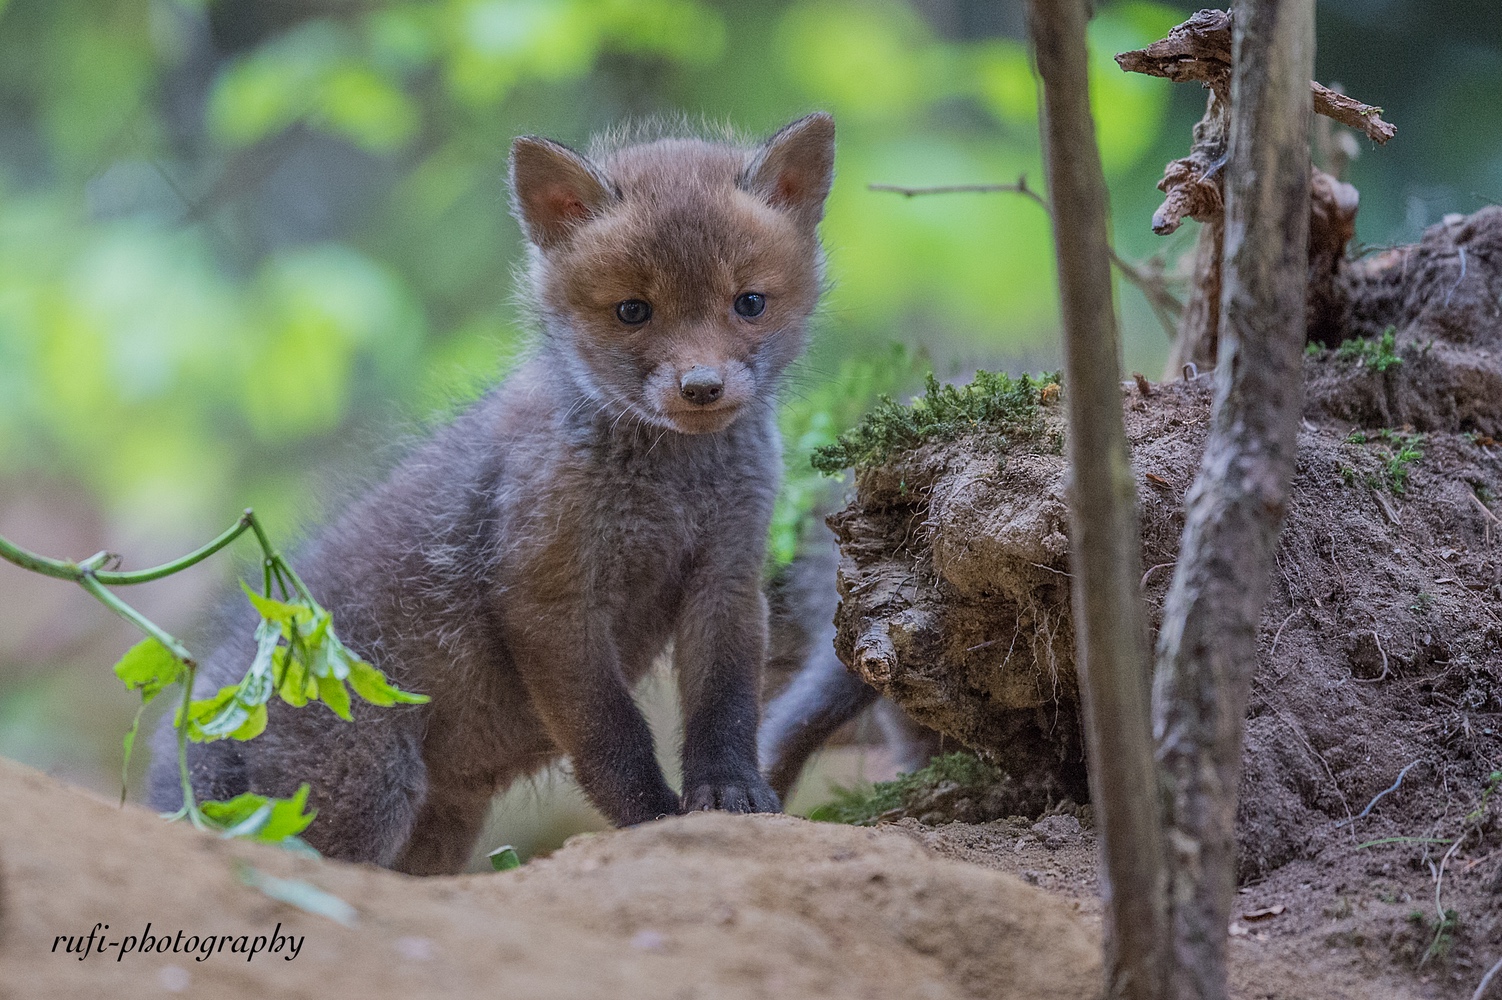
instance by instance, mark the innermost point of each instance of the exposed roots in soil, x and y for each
(1381, 642)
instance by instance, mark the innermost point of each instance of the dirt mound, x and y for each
(702, 906)
(1381, 644)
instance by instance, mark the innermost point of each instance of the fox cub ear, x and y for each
(793, 169)
(553, 189)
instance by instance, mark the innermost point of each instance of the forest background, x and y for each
(250, 248)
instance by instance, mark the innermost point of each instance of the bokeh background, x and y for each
(249, 248)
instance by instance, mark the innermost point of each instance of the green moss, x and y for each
(993, 403)
(863, 804)
(1378, 353)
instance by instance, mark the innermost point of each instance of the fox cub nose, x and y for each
(701, 386)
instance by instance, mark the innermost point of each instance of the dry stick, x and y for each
(1165, 306)
(1380, 795)
(1486, 980)
(1439, 885)
(1207, 646)
(1199, 50)
(1105, 556)
(1279, 634)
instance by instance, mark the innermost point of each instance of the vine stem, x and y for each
(190, 801)
(65, 570)
(96, 581)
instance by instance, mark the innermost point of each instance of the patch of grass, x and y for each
(863, 804)
(1313, 349)
(1398, 451)
(1444, 929)
(1404, 450)
(1378, 353)
(993, 403)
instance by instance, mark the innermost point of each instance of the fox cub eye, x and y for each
(751, 304)
(633, 312)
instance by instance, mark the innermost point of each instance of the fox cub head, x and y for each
(676, 277)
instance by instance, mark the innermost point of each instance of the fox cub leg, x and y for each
(719, 648)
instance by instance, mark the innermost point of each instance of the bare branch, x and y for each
(1349, 111)
(1207, 645)
(1019, 188)
(1105, 548)
(1199, 51)
(1151, 283)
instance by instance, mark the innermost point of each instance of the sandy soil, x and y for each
(703, 906)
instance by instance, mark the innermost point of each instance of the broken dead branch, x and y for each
(1199, 51)
(1365, 118)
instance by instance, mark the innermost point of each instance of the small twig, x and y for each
(1439, 908)
(1382, 676)
(1379, 796)
(1153, 569)
(1164, 305)
(1020, 187)
(1491, 518)
(1279, 634)
(1486, 980)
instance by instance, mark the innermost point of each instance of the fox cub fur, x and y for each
(525, 566)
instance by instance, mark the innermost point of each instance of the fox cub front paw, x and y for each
(747, 793)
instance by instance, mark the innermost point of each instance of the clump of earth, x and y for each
(1373, 749)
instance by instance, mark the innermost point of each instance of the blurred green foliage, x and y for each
(223, 245)
(247, 246)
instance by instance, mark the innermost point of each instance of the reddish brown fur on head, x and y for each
(686, 226)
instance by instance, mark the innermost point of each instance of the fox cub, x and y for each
(526, 565)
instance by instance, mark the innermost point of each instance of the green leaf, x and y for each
(292, 684)
(289, 817)
(261, 818)
(254, 724)
(303, 895)
(149, 666)
(336, 696)
(218, 717)
(284, 614)
(372, 685)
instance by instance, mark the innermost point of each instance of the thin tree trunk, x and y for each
(1104, 553)
(1207, 647)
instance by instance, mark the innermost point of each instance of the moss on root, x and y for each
(951, 775)
(993, 403)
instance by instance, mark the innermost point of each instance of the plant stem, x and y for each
(91, 578)
(190, 803)
(63, 569)
(88, 581)
(276, 565)
(198, 555)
